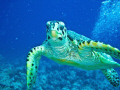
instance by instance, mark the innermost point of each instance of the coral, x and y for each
(52, 76)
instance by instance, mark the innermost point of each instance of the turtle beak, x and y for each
(53, 33)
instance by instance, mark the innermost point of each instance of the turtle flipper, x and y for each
(33, 59)
(99, 47)
(112, 76)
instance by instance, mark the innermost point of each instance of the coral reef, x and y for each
(52, 76)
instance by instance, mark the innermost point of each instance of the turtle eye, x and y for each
(48, 24)
(61, 27)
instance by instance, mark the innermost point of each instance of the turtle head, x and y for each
(56, 32)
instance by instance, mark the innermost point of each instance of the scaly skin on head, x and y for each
(56, 33)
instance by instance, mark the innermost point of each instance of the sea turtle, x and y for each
(70, 48)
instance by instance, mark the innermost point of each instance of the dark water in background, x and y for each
(23, 23)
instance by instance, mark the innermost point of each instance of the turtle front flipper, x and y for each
(33, 59)
(99, 47)
(112, 76)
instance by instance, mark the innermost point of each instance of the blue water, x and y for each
(23, 26)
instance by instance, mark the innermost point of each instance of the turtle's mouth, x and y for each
(54, 39)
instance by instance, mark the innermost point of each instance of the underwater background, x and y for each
(23, 26)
